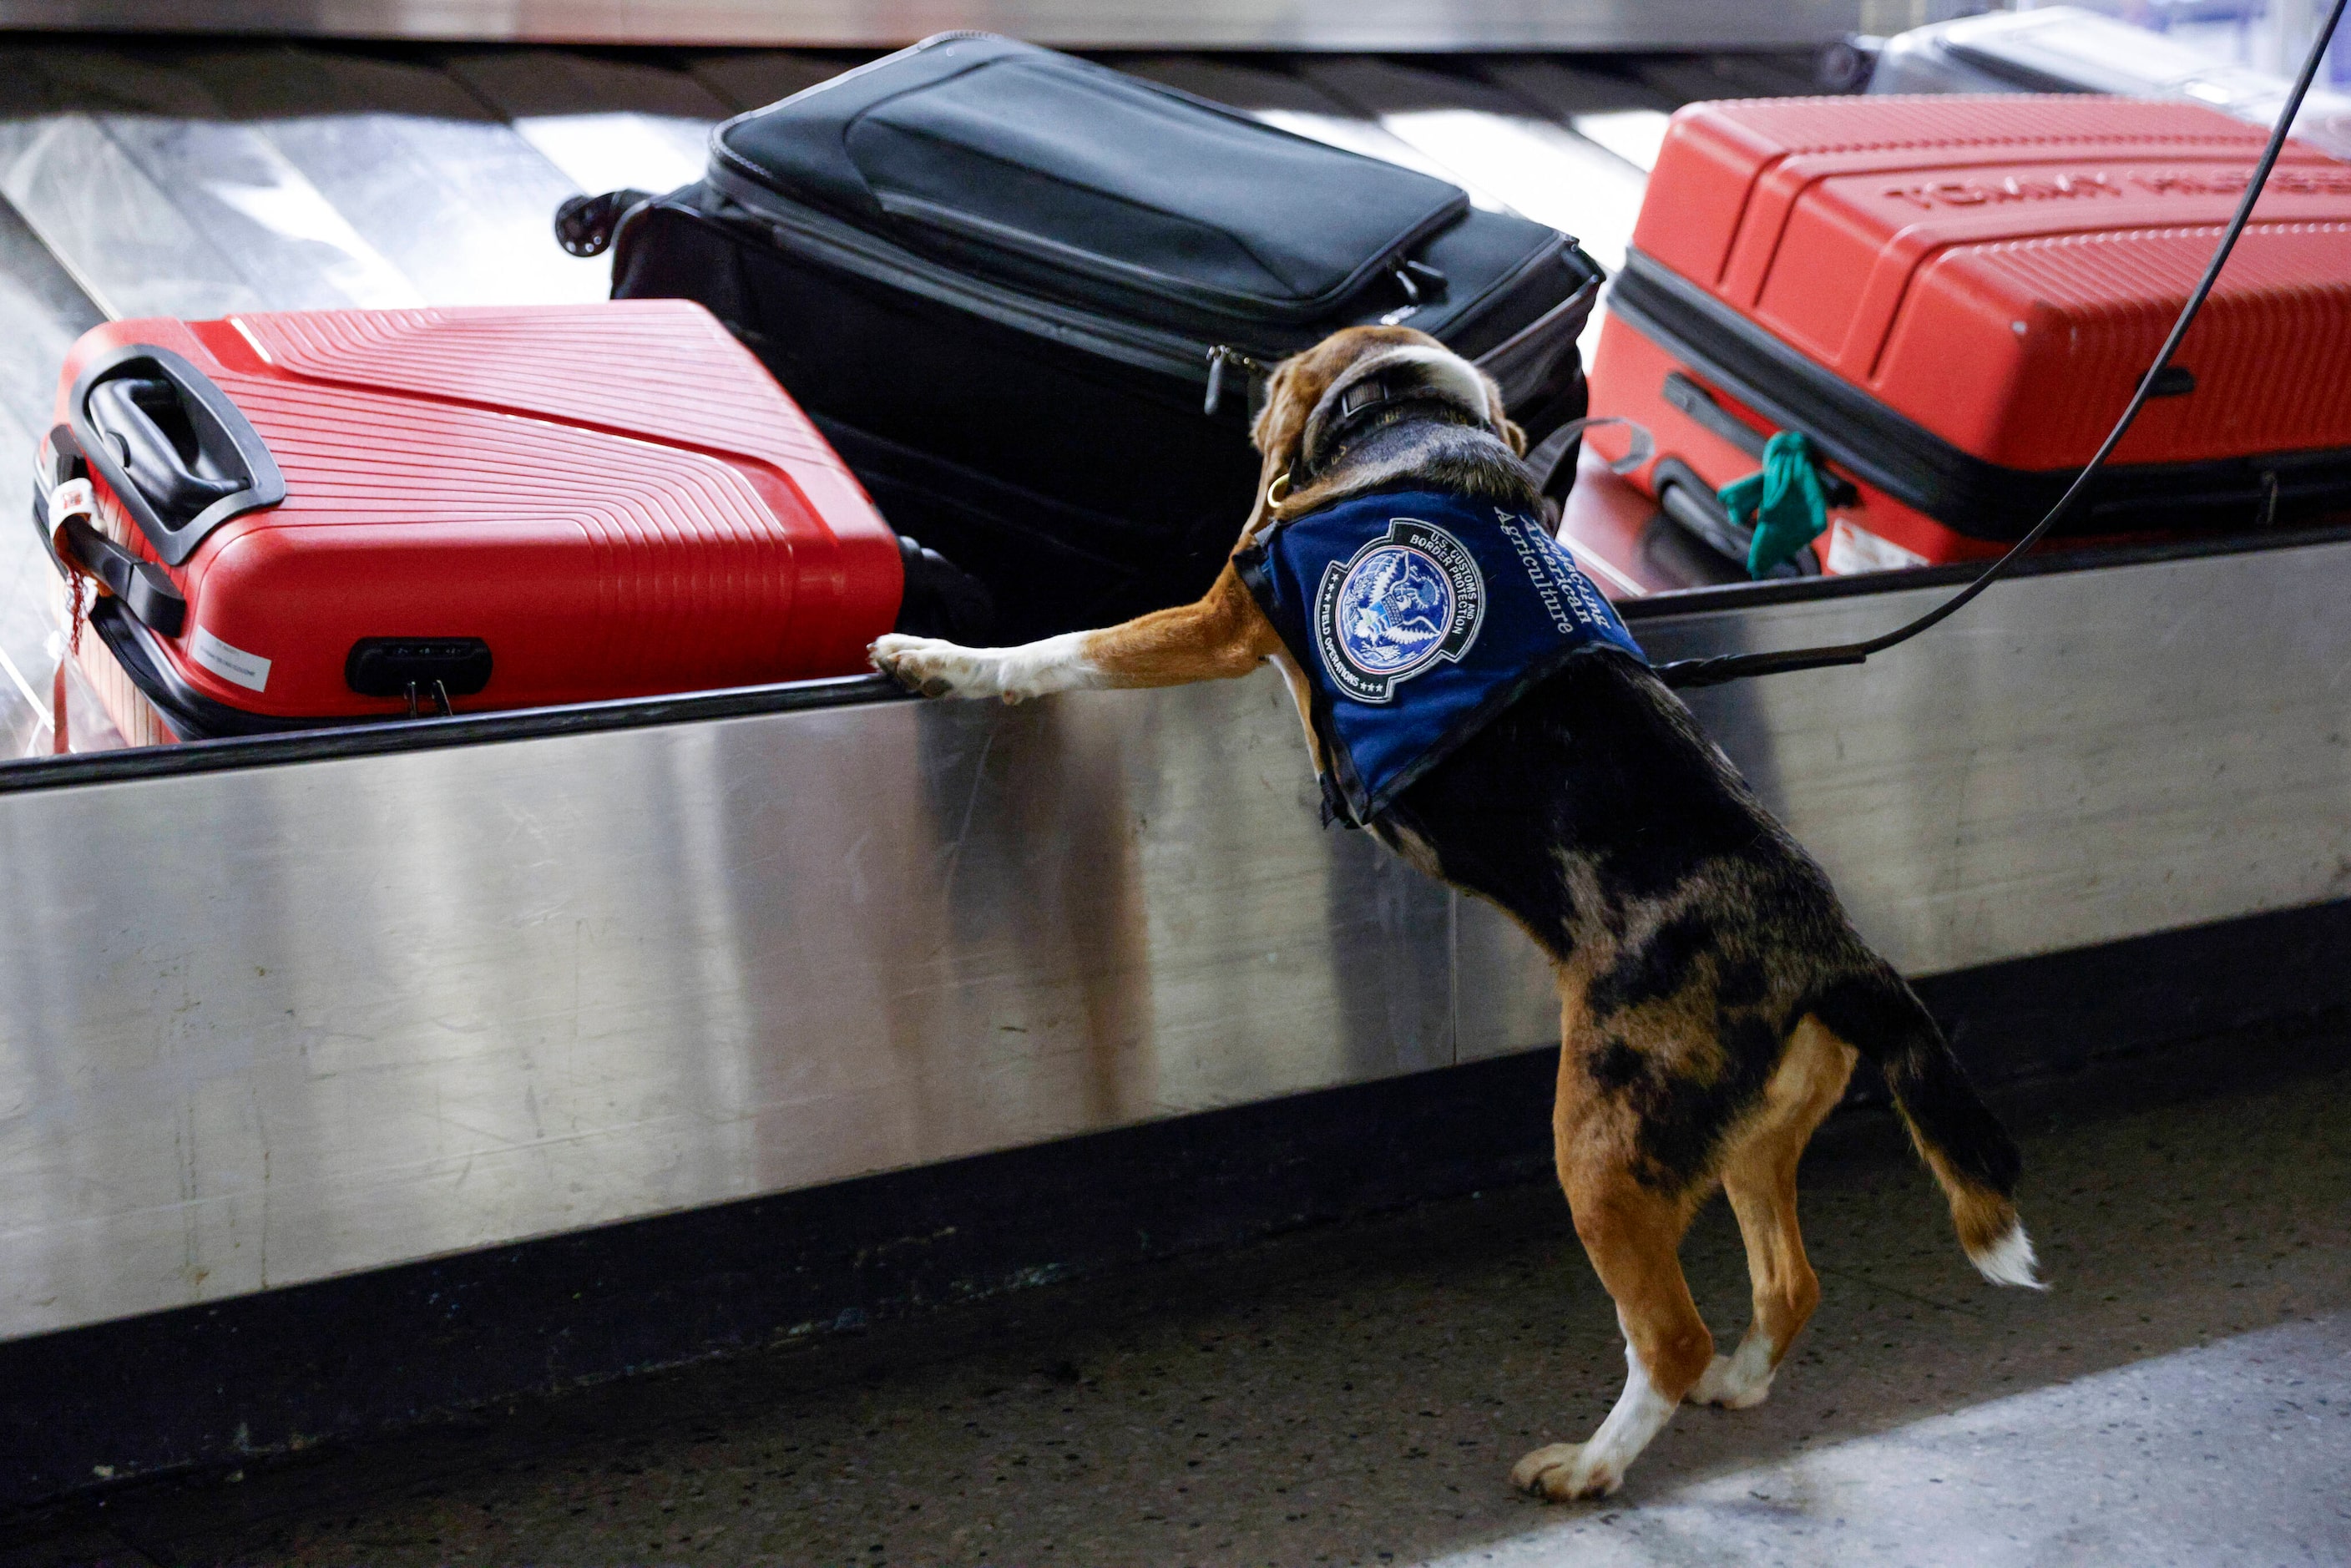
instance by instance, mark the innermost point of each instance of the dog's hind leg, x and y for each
(1632, 1236)
(1760, 1177)
(1631, 1231)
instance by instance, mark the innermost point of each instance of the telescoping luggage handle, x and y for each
(175, 451)
(1725, 667)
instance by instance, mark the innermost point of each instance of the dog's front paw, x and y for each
(1566, 1471)
(935, 668)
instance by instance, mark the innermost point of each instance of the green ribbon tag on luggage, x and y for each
(1783, 502)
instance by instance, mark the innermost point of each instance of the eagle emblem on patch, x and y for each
(1402, 603)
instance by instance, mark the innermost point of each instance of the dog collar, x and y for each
(1361, 395)
(1354, 404)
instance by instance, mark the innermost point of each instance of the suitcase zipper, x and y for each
(1218, 358)
(833, 244)
(1887, 449)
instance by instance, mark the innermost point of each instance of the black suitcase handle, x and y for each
(143, 586)
(1700, 403)
(175, 451)
(124, 411)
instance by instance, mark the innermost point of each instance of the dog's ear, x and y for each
(1281, 424)
(1275, 433)
(1499, 418)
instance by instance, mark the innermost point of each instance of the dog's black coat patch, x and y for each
(1681, 1117)
(1652, 970)
(1595, 768)
(1616, 1066)
(1739, 984)
(1596, 814)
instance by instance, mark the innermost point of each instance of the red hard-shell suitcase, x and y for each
(354, 514)
(1954, 297)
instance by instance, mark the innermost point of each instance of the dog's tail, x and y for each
(1962, 1142)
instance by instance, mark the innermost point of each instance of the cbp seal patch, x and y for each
(1395, 608)
(1415, 617)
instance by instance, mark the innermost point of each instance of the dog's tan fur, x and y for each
(1674, 1077)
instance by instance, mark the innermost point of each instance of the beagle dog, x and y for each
(1713, 996)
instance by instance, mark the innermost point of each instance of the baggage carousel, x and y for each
(1065, 24)
(306, 1012)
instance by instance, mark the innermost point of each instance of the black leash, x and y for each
(1725, 667)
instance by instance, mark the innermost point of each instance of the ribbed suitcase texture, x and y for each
(1955, 297)
(615, 498)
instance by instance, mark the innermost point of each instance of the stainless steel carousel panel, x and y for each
(2077, 758)
(754, 78)
(604, 123)
(127, 169)
(281, 178)
(452, 197)
(264, 1027)
(44, 312)
(1540, 168)
(1626, 117)
(287, 241)
(1070, 23)
(128, 244)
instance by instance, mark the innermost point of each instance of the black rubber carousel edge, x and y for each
(400, 735)
(392, 736)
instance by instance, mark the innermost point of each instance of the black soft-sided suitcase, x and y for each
(1030, 301)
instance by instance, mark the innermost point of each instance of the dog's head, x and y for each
(1314, 398)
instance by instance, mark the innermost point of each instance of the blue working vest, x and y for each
(1417, 616)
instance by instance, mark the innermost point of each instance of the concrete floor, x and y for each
(2182, 1395)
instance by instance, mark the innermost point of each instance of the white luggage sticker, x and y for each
(250, 671)
(1852, 551)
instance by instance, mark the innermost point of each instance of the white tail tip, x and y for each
(2008, 1261)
